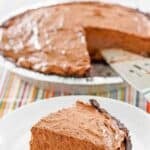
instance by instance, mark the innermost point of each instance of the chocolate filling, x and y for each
(128, 144)
(33, 39)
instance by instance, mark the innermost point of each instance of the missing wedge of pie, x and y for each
(80, 127)
(64, 39)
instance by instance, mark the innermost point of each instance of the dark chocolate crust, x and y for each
(121, 126)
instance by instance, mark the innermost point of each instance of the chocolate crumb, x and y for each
(94, 103)
(128, 143)
(121, 126)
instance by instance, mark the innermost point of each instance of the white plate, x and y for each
(15, 127)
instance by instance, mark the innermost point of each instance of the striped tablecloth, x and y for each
(15, 93)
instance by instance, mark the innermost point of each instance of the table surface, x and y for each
(13, 91)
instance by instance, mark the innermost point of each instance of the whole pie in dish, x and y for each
(81, 127)
(63, 39)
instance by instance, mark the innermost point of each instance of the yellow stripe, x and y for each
(34, 93)
(14, 87)
(5, 97)
(31, 93)
(14, 91)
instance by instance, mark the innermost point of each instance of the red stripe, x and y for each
(148, 107)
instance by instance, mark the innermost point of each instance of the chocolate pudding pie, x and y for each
(63, 39)
(81, 127)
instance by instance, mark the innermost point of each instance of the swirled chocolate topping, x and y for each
(63, 39)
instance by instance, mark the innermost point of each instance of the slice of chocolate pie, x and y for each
(81, 127)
